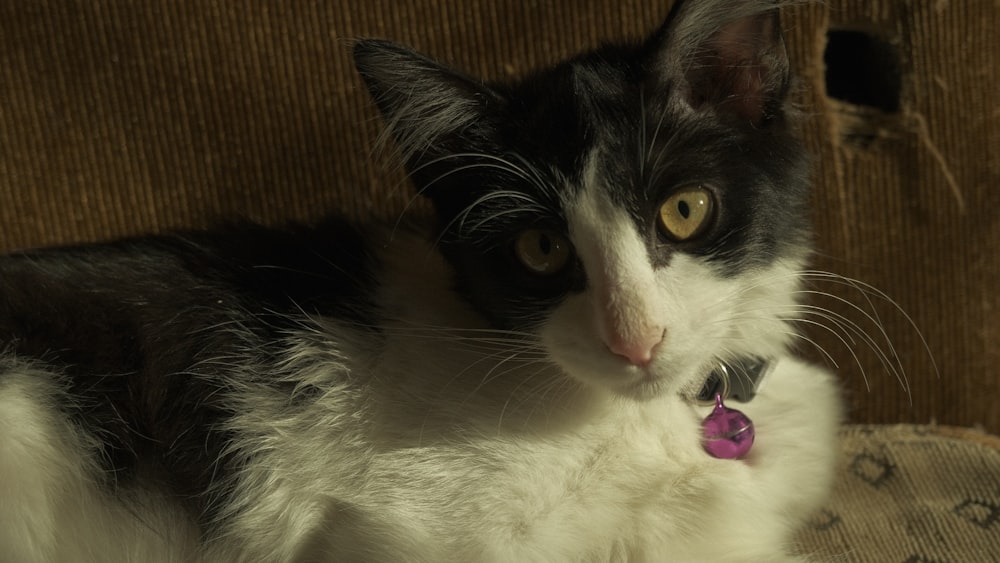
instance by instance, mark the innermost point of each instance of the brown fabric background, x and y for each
(121, 117)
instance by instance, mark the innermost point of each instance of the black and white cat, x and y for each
(524, 381)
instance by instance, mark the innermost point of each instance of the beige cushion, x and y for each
(918, 494)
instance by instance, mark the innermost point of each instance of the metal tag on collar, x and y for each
(735, 380)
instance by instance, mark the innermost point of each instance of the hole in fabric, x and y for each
(862, 69)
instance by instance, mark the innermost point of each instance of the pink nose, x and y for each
(638, 351)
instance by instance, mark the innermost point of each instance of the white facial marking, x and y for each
(617, 265)
(641, 330)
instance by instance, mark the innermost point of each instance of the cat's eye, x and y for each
(543, 252)
(686, 213)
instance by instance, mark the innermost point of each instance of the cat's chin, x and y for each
(647, 387)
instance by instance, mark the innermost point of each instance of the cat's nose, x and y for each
(639, 350)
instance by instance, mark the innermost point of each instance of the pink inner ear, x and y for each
(742, 92)
(741, 69)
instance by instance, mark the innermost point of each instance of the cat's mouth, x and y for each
(735, 380)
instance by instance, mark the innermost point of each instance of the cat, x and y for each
(524, 378)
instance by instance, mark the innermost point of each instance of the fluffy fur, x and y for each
(424, 393)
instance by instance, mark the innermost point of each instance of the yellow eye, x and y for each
(686, 213)
(543, 252)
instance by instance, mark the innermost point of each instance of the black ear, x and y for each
(726, 56)
(429, 109)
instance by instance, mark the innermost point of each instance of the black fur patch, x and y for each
(149, 334)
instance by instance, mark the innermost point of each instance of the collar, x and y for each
(735, 380)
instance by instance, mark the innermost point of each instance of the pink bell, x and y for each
(728, 433)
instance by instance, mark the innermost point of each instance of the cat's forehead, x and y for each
(600, 122)
(586, 109)
(598, 86)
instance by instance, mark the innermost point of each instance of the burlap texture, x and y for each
(916, 494)
(120, 117)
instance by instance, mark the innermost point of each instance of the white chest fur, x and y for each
(632, 485)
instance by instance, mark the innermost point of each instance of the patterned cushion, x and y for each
(915, 494)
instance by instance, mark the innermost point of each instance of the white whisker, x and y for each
(868, 289)
(849, 332)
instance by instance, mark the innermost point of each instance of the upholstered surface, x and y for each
(124, 117)
(915, 494)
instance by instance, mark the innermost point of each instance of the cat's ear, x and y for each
(428, 108)
(726, 56)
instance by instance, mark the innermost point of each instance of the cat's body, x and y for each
(517, 385)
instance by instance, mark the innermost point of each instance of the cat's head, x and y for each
(641, 208)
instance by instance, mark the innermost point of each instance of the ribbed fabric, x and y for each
(124, 117)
